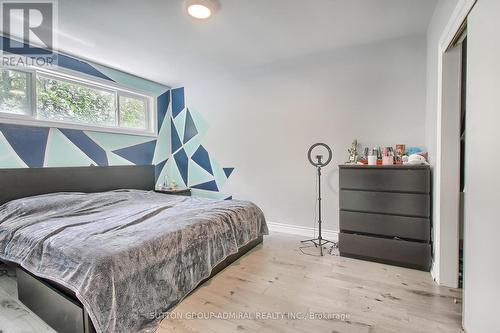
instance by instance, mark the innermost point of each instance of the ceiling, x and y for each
(155, 39)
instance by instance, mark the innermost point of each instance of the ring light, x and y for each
(319, 157)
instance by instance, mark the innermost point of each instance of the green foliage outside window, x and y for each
(67, 101)
(132, 112)
(13, 92)
(63, 101)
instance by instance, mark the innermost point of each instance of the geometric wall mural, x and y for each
(32, 147)
(177, 152)
(37, 147)
(189, 163)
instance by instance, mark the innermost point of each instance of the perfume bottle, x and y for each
(372, 157)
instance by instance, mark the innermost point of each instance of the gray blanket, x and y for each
(128, 255)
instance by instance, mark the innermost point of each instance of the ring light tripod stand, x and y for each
(319, 241)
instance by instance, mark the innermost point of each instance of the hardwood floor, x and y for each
(275, 279)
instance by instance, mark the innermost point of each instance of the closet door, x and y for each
(482, 170)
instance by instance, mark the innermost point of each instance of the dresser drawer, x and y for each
(387, 225)
(406, 204)
(415, 180)
(390, 251)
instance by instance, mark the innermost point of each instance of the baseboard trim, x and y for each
(301, 231)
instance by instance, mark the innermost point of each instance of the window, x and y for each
(69, 102)
(14, 92)
(48, 98)
(132, 112)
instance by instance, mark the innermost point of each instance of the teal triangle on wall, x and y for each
(209, 194)
(199, 121)
(8, 156)
(61, 152)
(197, 174)
(192, 145)
(113, 141)
(162, 149)
(219, 174)
(179, 123)
(114, 159)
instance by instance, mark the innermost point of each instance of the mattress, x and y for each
(128, 255)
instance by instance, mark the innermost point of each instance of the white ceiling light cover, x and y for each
(201, 9)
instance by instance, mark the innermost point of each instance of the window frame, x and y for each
(30, 95)
(129, 95)
(74, 77)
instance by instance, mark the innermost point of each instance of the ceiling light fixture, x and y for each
(201, 9)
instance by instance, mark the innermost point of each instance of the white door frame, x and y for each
(444, 272)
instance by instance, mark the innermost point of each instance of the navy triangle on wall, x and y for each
(162, 102)
(29, 143)
(80, 66)
(190, 129)
(175, 140)
(141, 154)
(87, 145)
(178, 101)
(62, 59)
(228, 171)
(208, 186)
(181, 159)
(201, 158)
(159, 169)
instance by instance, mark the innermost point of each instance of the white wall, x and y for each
(439, 21)
(482, 225)
(440, 18)
(264, 119)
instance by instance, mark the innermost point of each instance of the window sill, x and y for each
(16, 119)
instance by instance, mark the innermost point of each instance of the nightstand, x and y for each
(183, 191)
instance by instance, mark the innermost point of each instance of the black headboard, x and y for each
(20, 183)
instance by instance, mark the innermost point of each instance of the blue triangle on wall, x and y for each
(178, 101)
(228, 171)
(62, 60)
(79, 66)
(208, 186)
(87, 145)
(190, 130)
(181, 160)
(159, 168)
(229, 198)
(29, 143)
(162, 106)
(201, 158)
(141, 154)
(176, 141)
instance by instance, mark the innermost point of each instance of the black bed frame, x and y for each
(21, 183)
(55, 304)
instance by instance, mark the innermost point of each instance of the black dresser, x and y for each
(385, 214)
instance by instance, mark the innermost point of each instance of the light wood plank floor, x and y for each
(276, 278)
(15, 317)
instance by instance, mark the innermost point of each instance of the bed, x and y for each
(112, 254)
